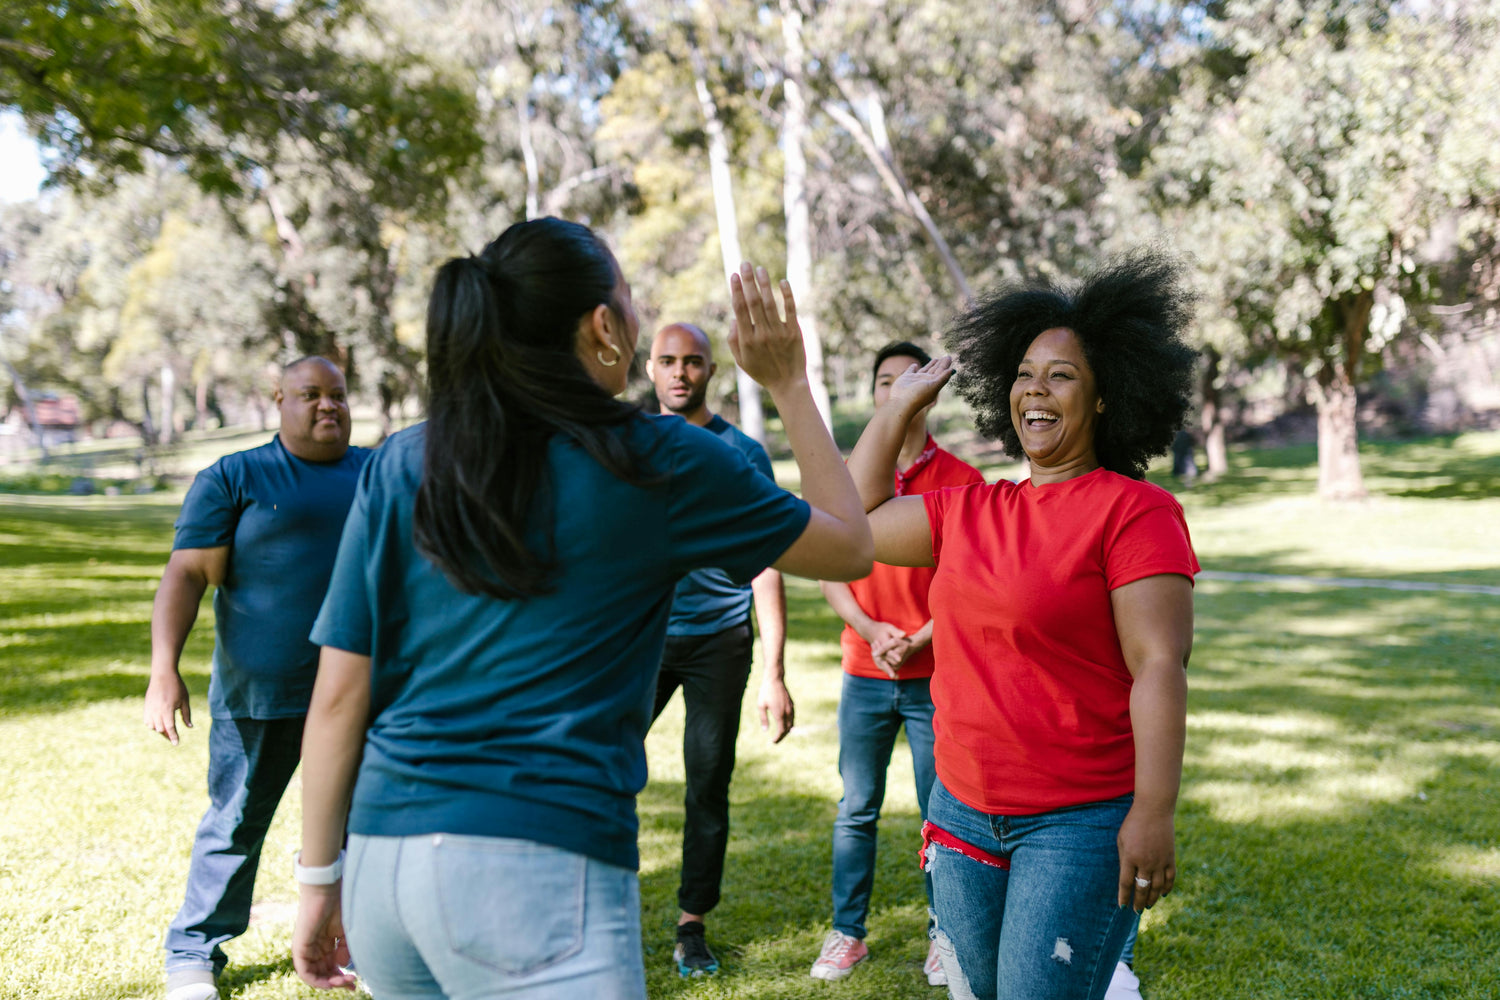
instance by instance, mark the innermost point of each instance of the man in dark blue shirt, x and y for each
(262, 526)
(708, 654)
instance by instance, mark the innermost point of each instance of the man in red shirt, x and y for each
(887, 667)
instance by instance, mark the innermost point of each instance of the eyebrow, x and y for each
(1054, 361)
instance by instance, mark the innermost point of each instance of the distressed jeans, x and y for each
(1048, 928)
(250, 762)
(482, 918)
(871, 713)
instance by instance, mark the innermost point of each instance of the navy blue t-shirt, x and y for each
(527, 717)
(281, 517)
(707, 601)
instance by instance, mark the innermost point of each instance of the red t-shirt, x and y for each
(898, 594)
(1031, 688)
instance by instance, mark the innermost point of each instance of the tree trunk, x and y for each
(528, 150)
(752, 418)
(168, 404)
(1339, 474)
(200, 403)
(794, 196)
(1212, 418)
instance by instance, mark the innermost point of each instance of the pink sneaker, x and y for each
(933, 967)
(841, 953)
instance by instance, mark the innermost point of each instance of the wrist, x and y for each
(318, 874)
(789, 386)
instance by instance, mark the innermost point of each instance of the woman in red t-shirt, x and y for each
(1062, 622)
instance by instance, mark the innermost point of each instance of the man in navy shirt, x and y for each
(708, 655)
(262, 526)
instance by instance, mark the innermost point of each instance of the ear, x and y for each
(713, 366)
(1098, 406)
(277, 396)
(601, 329)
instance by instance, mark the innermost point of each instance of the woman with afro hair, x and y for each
(1062, 622)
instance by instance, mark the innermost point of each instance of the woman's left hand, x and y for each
(319, 950)
(1148, 854)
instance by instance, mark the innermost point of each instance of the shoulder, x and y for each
(1136, 494)
(954, 471)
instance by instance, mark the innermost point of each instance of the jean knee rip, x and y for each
(958, 983)
(1062, 951)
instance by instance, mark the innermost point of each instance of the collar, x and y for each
(905, 476)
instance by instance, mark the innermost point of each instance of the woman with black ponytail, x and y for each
(496, 616)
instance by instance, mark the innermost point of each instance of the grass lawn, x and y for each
(1339, 830)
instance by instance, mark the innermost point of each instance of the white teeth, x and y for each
(1038, 415)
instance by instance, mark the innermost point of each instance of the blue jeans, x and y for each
(871, 712)
(474, 918)
(250, 762)
(1049, 928)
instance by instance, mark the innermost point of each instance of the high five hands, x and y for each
(768, 347)
(918, 387)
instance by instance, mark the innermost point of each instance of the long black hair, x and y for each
(1130, 317)
(503, 378)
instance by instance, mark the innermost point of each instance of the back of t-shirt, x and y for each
(527, 717)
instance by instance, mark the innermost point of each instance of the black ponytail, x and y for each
(503, 378)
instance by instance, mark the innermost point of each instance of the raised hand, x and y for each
(918, 387)
(768, 347)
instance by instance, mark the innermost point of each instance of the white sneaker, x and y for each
(1123, 985)
(841, 953)
(192, 984)
(933, 967)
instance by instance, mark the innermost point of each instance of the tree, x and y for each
(1309, 162)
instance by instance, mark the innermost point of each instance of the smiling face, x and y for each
(681, 365)
(1055, 407)
(314, 405)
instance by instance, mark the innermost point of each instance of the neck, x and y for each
(701, 416)
(911, 447)
(313, 451)
(1044, 475)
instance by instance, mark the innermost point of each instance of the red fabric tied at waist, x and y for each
(937, 835)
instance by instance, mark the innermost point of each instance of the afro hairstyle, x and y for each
(1130, 317)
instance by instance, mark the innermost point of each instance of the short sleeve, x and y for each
(761, 460)
(347, 620)
(1150, 542)
(942, 504)
(210, 511)
(725, 513)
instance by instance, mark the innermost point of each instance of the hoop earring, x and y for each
(609, 364)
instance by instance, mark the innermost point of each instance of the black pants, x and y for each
(712, 671)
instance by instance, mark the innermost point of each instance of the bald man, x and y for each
(708, 655)
(262, 526)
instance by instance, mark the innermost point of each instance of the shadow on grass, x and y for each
(238, 978)
(776, 904)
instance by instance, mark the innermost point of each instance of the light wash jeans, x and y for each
(871, 713)
(1049, 928)
(474, 918)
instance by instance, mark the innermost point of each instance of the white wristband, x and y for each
(321, 875)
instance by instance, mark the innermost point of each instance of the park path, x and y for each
(1341, 581)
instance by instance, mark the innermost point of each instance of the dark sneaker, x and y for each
(692, 954)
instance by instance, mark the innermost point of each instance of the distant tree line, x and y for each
(241, 181)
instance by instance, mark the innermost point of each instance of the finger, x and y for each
(187, 714)
(1125, 893)
(789, 303)
(754, 302)
(169, 730)
(773, 315)
(739, 304)
(765, 717)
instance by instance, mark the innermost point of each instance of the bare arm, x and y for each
(188, 575)
(899, 524)
(836, 543)
(777, 712)
(880, 635)
(1154, 618)
(332, 743)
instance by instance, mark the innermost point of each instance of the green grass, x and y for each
(1339, 830)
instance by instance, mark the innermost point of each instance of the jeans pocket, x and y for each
(354, 855)
(510, 905)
